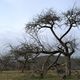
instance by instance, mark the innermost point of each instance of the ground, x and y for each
(17, 75)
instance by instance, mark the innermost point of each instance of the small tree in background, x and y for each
(22, 55)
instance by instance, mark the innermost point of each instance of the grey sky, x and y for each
(14, 14)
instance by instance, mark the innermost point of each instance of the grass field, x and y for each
(16, 75)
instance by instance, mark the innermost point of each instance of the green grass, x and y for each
(16, 75)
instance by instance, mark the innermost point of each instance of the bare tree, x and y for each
(51, 21)
(22, 54)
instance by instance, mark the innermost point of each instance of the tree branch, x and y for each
(54, 61)
(57, 37)
(66, 32)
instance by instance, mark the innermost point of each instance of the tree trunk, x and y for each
(43, 71)
(68, 66)
(24, 66)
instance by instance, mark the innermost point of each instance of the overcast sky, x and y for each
(14, 14)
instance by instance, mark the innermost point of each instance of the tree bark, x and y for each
(68, 66)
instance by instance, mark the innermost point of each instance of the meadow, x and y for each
(17, 75)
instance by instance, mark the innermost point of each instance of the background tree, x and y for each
(22, 55)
